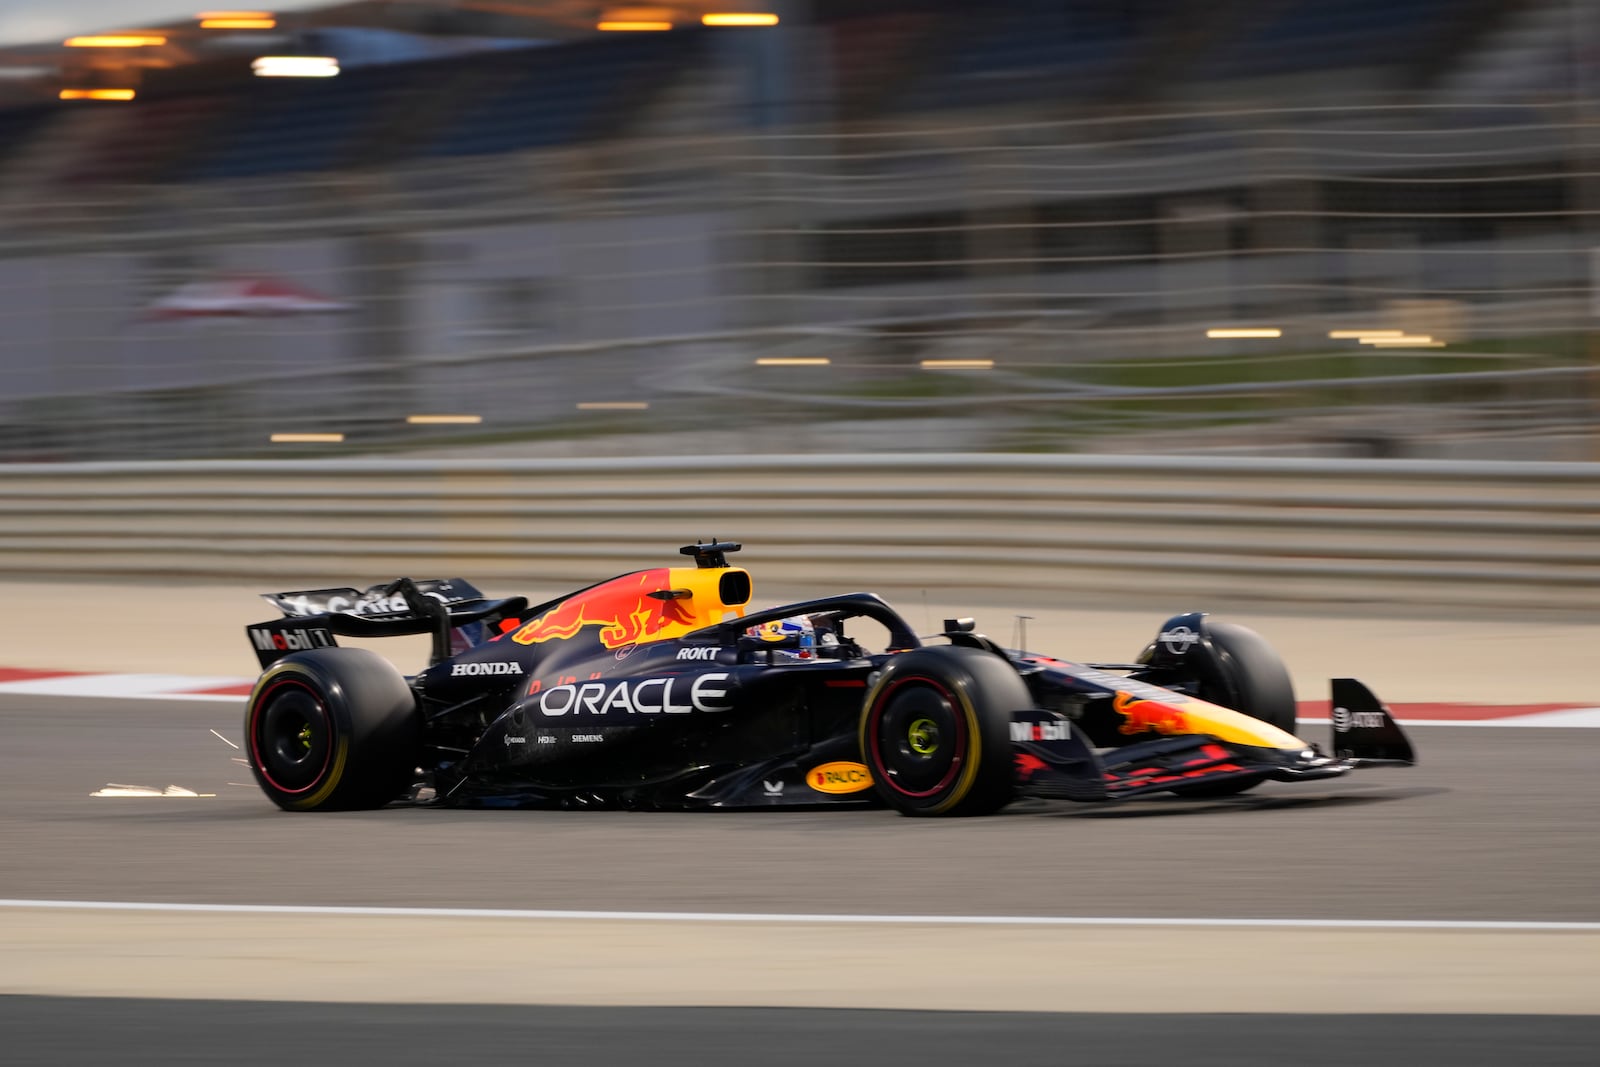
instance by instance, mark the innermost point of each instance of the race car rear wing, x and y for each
(314, 617)
(377, 601)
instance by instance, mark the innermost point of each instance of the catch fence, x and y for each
(975, 282)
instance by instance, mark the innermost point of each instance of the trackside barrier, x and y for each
(1513, 537)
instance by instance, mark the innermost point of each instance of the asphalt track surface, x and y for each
(1493, 824)
(50, 1030)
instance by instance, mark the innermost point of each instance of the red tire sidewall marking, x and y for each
(875, 717)
(255, 748)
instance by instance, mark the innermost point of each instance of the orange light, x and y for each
(1246, 332)
(793, 361)
(613, 405)
(96, 94)
(632, 26)
(236, 20)
(958, 364)
(444, 420)
(307, 438)
(115, 40)
(740, 18)
(1404, 342)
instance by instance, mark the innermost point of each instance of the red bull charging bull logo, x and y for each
(1149, 716)
(624, 610)
(1027, 765)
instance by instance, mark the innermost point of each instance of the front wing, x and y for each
(1054, 760)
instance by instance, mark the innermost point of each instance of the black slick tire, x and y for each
(936, 731)
(1260, 688)
(332, 729)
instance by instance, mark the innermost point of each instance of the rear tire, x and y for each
(332, 729)
(1260, 688)
(936, 731)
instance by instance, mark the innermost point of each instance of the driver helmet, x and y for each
(793, 636)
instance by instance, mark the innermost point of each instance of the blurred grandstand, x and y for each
(873, 225)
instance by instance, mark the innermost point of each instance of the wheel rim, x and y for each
(917, 737)
(290, 738)
(923, 737)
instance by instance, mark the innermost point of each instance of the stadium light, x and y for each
(307, 438)
(740, 18)
(1402, 340)
(1361, 335)
(295, 67)
(613, 405)
(634, 18)
(793, 361)
(958, 364)
(96, 94)
(237, 20)
(1247, 332)
(115, 40)
(444, 420)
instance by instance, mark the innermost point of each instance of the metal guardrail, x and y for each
(1394, 535)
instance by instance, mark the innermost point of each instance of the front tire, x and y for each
(936, 731)
(1258, 685)
(332, 729)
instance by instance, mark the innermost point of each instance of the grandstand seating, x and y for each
(936, 55)
(874, 56)
(541, 97)
(148, 141)
(1321, 34)
(18, 126)
(1034, 50)
(492, 102)
(292, 124)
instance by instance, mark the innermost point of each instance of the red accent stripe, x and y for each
(846, 683)
(1320, 709)
(18, 674)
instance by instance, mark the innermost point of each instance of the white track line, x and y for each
(745, 917)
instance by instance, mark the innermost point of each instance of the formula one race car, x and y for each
(657, 689)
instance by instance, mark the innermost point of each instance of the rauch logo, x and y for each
(841, 777)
